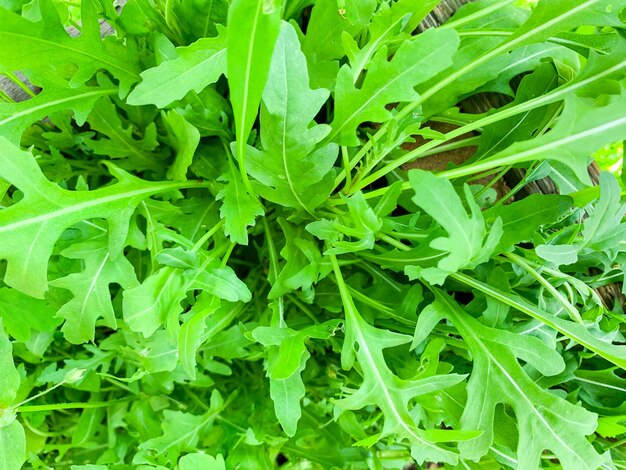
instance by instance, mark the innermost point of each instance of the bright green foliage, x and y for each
(119, 142)
(292, 172)
(57, 96)
(497, 377)
(157, 299)
(12, 446)
(12, 439)
(33, 224)
(72, 58)
(581, 129)
(254, 28)
(196, 67)
(184, 139)
(603, 230)
(389, 81)
(239, 208)
(287, 357)
(90, 288)
(467, 242)
(10, 379)
(213, 254)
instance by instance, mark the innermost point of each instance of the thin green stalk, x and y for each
(345, 158)
(459, 144)
(6, 97)
(571, 310)
(493, 181)
(456, 23)
(542, 100)
(393, 242)
(72, 406)
(273, 274)
(506, 33)
(207, 236)
(241, 161)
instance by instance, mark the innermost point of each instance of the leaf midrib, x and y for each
(80, 207)
(459, 319)
(74, 50)
(50, 104)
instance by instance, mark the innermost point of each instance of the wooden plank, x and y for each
(442, 12)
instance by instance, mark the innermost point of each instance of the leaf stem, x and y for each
(346, 167)
(474, 16)
(571, 310)
(15, 79)
(241, 159)
(393, 242)
(6, 97)
(555, 95)
(207, 236)
(72, 406)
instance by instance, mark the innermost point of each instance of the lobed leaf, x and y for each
(294, 169)
(195, 67)
(32, 226)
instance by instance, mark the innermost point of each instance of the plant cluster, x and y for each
(212, 254)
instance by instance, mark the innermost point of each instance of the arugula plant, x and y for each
(212, 255)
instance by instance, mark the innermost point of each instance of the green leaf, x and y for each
(90, 288)
(198, 461)
(120, 142)
(583, 128)
(9, 377)
(207, 318)
(603, 230)
(293, 169)
(12, 446)
(550, 17)
(381, 387)
(32, 226)
(287, 357)
(287, 393)
(578, 333)
(200, 18)
(76, 58)
(497, 377)
(239, 209)
(361, 224)
(195, 67)
(611, 426)
(322, 43)
(182, 431)
(386, 27)
(253, 28)
(24, 316)
(184, 139)
(389, 81)
(158, 299)
(522, 219)
(523, 126)
(303, 262)
(56, 96)
(602, 389)
(467, 242)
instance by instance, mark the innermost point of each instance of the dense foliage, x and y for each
(212, 255)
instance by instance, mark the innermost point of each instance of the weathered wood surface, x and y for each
(442, 12)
